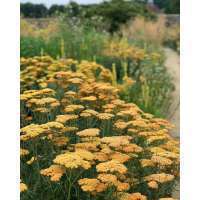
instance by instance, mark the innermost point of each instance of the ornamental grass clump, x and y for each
(91, 144)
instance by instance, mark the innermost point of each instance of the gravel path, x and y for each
(173, 65)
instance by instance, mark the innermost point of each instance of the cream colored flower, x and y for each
(91, 132)
(111, 166)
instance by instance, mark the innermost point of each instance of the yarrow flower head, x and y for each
(111, 166)
(54, 171)
(92, 185)
(73, 108)
(133, 196)
(116, 141)
(66, 118)
(105, 116)
(74, 160)
(91, 132)
(161, 178)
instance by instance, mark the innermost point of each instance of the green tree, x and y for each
(169, 6)
(33, 10)
(54, 9)
(73, 9)
(118, 12)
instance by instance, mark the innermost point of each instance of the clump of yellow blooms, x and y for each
(122, 49)
(33, 131)
(90, 69)
(102, 183)
(80, 134)
(74, 160)
(54, 171)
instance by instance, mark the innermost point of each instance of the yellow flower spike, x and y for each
(33, 159)
(114, 75)
(125, 68)
(62, 48)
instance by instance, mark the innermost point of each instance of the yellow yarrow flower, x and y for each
(23, 187)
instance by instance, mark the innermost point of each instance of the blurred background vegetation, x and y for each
(106, 8)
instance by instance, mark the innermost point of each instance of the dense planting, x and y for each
(140, 60)
(79, 140)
